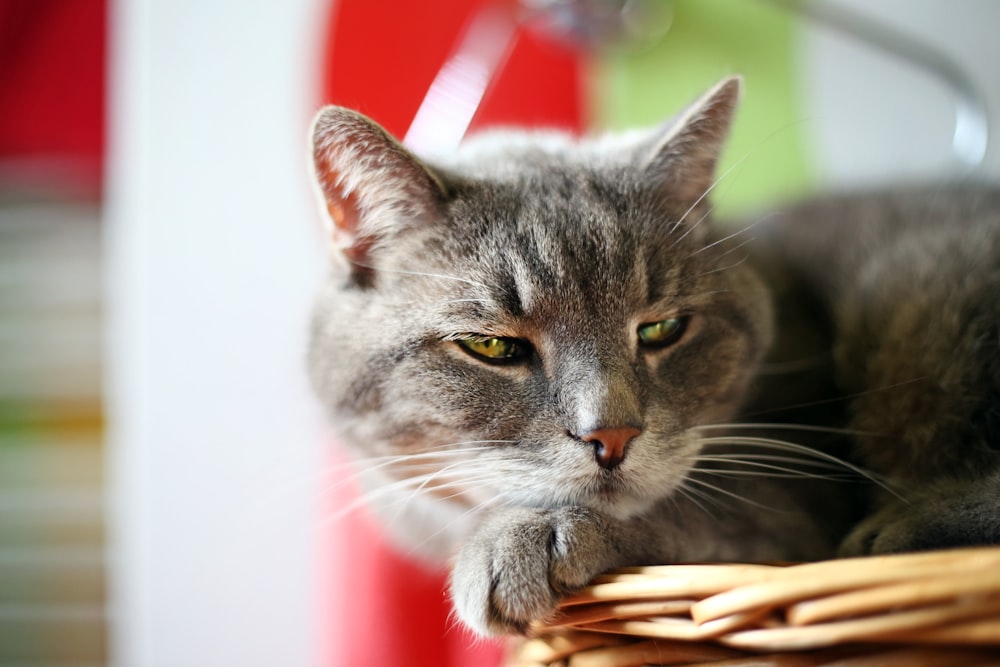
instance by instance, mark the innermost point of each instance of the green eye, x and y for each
(662, 333)
(496, 350)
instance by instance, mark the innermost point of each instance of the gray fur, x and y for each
(910, 280)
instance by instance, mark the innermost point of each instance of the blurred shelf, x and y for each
(52, 526)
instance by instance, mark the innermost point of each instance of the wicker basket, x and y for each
(935, 608)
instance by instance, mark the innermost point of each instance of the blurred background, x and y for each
(167, 483)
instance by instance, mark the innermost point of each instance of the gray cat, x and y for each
(541, 352)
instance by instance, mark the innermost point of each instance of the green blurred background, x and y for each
(766, 158)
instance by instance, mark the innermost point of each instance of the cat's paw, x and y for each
(893, 529)
(521, 562)
(956, 514)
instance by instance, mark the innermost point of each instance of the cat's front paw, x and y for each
(950, 515)
(890, 530)
(522, 561)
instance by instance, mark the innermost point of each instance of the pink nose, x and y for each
(611, 444)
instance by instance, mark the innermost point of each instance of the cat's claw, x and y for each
(521, 562)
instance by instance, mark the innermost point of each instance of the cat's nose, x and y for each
(611, 444)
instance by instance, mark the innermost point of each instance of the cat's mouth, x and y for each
(609, 493)
(610, 483)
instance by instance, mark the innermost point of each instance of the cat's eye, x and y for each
(496, 349)
(662, 333)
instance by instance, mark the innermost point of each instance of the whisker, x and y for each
(411, 303)
(737, 164)
(774, 458)
(424, 274)
(758, 468)
(430, 454)
(720, 269)
(711, 245)
(704, 194)
(469, 300)
(692, 226)
(837, 399)
(445, 472)
(475, 509)
(697, 276)
(409, 479)
(736, 247)
(782, 445)
(385, 490)
(362, 465)
(695, 496)
(715, 489)
(780, 426)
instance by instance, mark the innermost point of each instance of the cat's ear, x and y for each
(683, 156)
(371, 186)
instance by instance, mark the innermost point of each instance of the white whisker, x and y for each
(463, 468)
(475, 509)
(388, 490)
(778, 426)
(720, 269)
(424, 274)
(800, 449)
(704, 194)
(430, 454)
(757, 467)
(695, 496)
(737, 164)
(715, 489)
(470, 300)
(724, 239)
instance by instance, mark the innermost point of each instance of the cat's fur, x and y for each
(910, 280)
(571, 247)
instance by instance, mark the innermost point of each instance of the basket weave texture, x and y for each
(934, 608)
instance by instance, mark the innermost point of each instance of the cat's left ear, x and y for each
(683, 157)
(372, 187)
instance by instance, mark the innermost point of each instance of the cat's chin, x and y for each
(619, 506)
(612, 503)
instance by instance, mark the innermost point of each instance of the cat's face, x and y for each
(533, 322)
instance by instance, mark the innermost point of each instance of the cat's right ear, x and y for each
(371, 187)
(683, 158)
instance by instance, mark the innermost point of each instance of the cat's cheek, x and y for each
(479, 399)
(707, 379)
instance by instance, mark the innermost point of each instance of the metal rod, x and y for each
(970, 137)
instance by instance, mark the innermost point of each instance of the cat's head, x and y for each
(534, 320)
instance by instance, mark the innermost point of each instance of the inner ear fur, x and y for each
(684, 156)
(371, 186)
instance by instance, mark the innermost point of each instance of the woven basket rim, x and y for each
(936, 598)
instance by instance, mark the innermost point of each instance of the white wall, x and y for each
(213, 255)
(871, 116)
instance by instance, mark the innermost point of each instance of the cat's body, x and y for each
(909, 278)
(545, 341)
